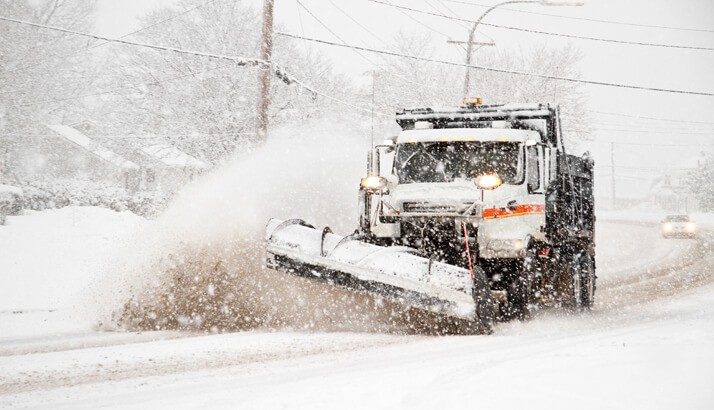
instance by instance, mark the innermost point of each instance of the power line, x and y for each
(605, 126)
(548, 33)
(619, 176)
(337, 36)
(240, 61)
(623, 23)
(642, 117)
(466, 26)
(647, 144)
(438, 10)
(354, 20)
(646, 131)
(664, 169)
(500, 70)
(650, 124)
(124, 36)
(116, 90)
(421, 23)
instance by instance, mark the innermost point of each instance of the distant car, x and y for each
(678, 226)
(10, 201)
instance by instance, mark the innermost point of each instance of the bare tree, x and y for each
(206, 107)
(413, 83)
(41, 72)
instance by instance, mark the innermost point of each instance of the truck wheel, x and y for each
(518, 291)
(580, 270)
(587, 281)
(484, 307)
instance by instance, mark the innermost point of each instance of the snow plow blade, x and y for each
(395, 273)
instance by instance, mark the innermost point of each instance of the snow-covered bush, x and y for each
(77, 193)
(11, 200)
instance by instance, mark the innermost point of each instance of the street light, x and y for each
(470, 43)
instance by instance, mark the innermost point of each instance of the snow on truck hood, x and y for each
(466, 134)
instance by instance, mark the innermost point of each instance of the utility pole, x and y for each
(612, 174)
(266, 52)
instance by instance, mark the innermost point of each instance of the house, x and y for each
(163, 167)
(64, 152)
(672, 190)
(57, 152)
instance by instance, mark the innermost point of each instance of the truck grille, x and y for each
(426, 207)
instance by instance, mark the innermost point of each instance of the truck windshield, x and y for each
(447, 161)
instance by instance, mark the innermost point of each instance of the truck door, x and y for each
(535, 169)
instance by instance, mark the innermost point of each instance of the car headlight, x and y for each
(667, 227)
(373, 182)
(488, 181)
(690, 227)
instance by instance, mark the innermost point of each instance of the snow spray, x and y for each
(200, 264)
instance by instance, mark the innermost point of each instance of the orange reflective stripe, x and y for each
(519, 210)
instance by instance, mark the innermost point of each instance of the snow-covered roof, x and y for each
(171, 156)
(92, 146)
(466, 134)
(11, 189)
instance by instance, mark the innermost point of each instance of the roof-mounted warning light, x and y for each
(473, 102)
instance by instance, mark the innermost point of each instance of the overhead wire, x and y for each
(585, 18)
(548, 33)
(645, 131)
(436, 9)
(288, 79)
(501, 70)
(76, 52)
(370, 61)
(643, 117)
(117, 90)
(648, 144)
(354, 20)
(421, 23)
(240, 61)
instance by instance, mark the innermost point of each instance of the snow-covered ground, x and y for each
(649, 343)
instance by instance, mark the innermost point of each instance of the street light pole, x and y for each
(472, 33)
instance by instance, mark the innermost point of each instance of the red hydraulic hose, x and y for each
(468, 251)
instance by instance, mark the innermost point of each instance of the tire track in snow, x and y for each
(679, 275)
(689, 267)
(75, 372)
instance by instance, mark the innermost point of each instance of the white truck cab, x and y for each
(490, 178)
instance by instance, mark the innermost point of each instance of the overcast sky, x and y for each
(619, 63)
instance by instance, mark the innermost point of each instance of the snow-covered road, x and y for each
(649, 343)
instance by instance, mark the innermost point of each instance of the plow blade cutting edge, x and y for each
(395, 273)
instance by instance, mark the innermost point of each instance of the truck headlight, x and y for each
(488, 181)
(373, 183)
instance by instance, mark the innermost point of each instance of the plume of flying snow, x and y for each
(200, 264)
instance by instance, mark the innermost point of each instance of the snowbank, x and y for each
(47, 257)
(10, 189)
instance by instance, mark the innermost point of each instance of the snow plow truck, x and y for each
(475, 213)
